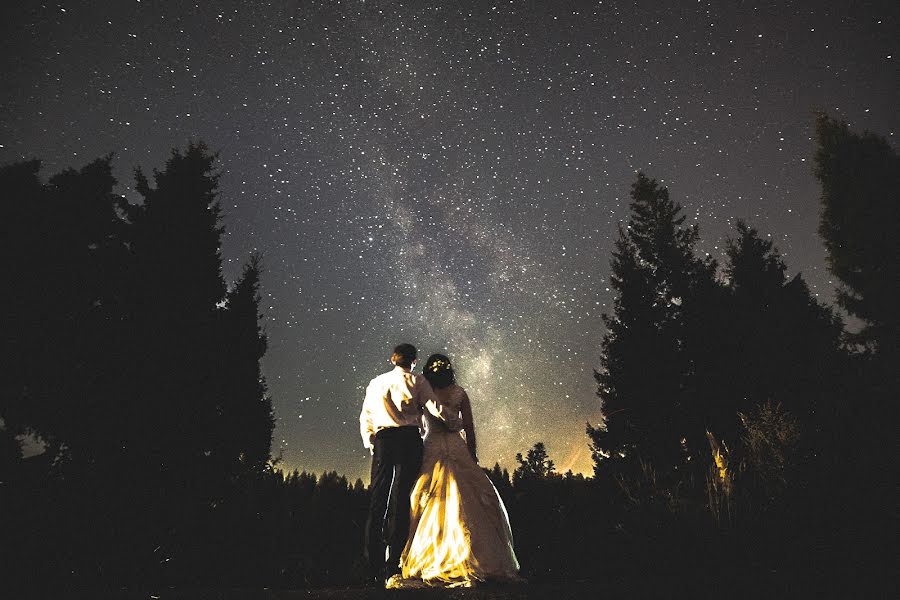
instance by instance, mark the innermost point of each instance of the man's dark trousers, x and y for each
(396, 461)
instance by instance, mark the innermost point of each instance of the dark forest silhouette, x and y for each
(127, 355)
(744, 423)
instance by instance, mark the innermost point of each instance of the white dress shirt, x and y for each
(399, 398)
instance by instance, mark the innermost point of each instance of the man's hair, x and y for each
(404, 355)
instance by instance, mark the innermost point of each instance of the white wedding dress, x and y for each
(459, 528)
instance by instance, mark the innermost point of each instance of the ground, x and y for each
(765, 585)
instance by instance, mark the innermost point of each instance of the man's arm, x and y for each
(429, 401)
(366, 429)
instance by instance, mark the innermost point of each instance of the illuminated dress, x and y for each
(459, 528)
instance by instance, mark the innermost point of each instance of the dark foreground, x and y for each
(767, 585)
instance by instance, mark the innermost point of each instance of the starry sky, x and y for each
(452, 173)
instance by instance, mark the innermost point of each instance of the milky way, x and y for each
(452, 174)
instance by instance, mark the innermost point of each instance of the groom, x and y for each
(389, 424)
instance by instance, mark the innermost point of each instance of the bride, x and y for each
(459, 530)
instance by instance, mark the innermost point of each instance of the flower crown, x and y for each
(440, 365)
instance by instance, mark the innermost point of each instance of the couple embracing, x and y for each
(434, 516)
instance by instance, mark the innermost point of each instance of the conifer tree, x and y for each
(644, 381)
(122, 350)
(536, 465)
(860, 178)
(246, 419)
(179, 233)
(787, 342)
(177, 284)
(64, 257)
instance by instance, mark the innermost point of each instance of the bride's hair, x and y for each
(438, 371)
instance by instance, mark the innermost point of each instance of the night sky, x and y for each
(452, 173)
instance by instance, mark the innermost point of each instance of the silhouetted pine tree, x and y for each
(122, 350)
(783, 345)
(64, 258)
(649, 401)
(860, 177)
(201, 414)
(499, 477)
(179, 233)
(243, 437)
(554, 518)
(177, 283)
(535, 465)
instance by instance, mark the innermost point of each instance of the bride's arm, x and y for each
(468, 425)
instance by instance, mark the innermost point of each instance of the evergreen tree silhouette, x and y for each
(179, 233)
(245, 410)
(201, 416)
(499, 477)
(65, 254)
(535, 465)
(127, 355)
(860, 178)
(177, 283)
(643, 380)
(63, 326)
(785, 343)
